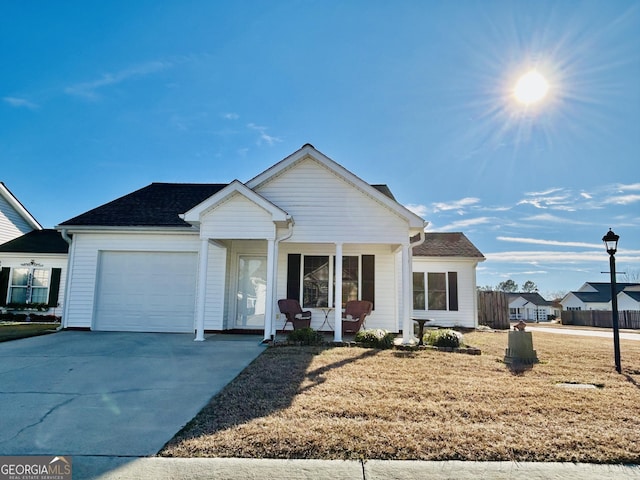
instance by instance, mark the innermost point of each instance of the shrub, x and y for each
(305, 336)
(443, 338)
(375, 338)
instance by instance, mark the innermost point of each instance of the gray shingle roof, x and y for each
(633, 294)
(603, 293)
(533, 297)
(37, 241)
(450, 244)
(156, 205)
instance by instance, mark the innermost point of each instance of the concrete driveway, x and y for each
(103, 393)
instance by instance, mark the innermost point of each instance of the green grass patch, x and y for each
(14, 331)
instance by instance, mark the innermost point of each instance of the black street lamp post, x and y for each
(611, 242)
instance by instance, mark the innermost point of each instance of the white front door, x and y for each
(252, 290)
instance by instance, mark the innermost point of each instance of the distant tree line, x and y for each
(510, 286)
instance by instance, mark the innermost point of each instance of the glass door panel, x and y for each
(252, 292)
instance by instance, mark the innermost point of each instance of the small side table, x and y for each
(326, 312)
(421, 322)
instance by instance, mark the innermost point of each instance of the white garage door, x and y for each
(146, 292)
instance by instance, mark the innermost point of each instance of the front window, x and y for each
(319, 279)
(349, 279)
(315, 281)
(29, 286)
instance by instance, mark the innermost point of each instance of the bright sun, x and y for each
(531, 88)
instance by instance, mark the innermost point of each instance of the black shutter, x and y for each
(369, 278)
(54, 287)
(293, 276)
(453, 291)
(4, 285)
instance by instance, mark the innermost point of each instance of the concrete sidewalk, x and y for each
(606, 333)
(120, 468)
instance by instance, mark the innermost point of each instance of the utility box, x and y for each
(520, 350)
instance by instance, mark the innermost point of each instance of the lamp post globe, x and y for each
(611, 242)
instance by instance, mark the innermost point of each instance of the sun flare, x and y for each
(531, 88)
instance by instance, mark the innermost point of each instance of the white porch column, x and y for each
(271, 280)
(407, 295)
(203, 261)
(337, 299)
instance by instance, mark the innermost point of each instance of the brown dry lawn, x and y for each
(354, 403)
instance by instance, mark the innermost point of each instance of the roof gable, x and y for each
(531, 297)
(380, 193)
(449, 244)
(635, 295)
(20, 209)
(194, 215)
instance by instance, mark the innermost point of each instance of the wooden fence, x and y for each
(601, 318)
(493, 310)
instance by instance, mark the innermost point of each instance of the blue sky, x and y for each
(98, 99)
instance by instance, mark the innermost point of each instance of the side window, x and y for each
(437, 285)
(418, 291)
(435, 291)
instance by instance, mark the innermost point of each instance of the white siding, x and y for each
(625, 302)
(84, 258)
(216, 277)
(385, 313)
(12, 224)
(571, 301)
(466, 315)
(237, 217)
(328, 209)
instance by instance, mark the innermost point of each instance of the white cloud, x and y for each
(455, 226)
(230, 116)
(89, 90)
(632, 186)
(585, 195)
(420, 210)
(547, 217)
(623, 199)
(544, 192)
(545, 257)
(264, 137)
(535, 257)
(20, 103)
(455, 205)
(556, 243)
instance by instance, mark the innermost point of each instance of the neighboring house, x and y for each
(597, 296)
(185, 257)
(15, 220)
(33, 271)
(444, 280)
(530, 307)
(629, 298)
